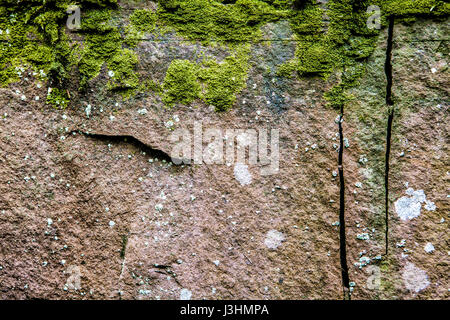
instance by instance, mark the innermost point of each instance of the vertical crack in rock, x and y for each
(390, 105)
(342, 237)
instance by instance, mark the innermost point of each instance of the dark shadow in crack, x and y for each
(390, 105)
(149, 151)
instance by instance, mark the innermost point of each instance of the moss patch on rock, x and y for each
(216, 83)
(211, 20)
(181, 83)
(224, 80)
(331, 39)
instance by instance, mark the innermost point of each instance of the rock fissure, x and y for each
(390, 105)
(150, 151)
(342, 234)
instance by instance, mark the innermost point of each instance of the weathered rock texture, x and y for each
(103, 217)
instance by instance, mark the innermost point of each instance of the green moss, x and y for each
(347, 42)
(322, 50)
(32, 39)
(96, 21)
(211, 20)
(309, 20)
(143, 20)
(410, 8)
(150, 86)
(58, 98)
(221, 81)
(181, 83)
(123, 66)
(35, 38)
(102, 42)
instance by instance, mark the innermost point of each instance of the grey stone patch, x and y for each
(274, 239)
(415, 279)
(266, 59)
(242, 175)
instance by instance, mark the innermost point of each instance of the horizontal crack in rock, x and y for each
(150, 151)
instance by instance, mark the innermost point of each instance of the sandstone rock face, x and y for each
(92, 206)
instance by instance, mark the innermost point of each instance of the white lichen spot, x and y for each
(363, 236)
(142, 111)
(185, 294)
(429, 248)
(216, 262)
(88, 110)
(429, 205)
(274, 239)
(242, 175)
(414, 278)
(419, 194)
(409, 207)
(112, 223)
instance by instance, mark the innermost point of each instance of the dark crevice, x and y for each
(390, 105)
(342, 234)
(149, 151)
(124, 246)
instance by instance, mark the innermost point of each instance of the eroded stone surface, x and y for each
(102, 217)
